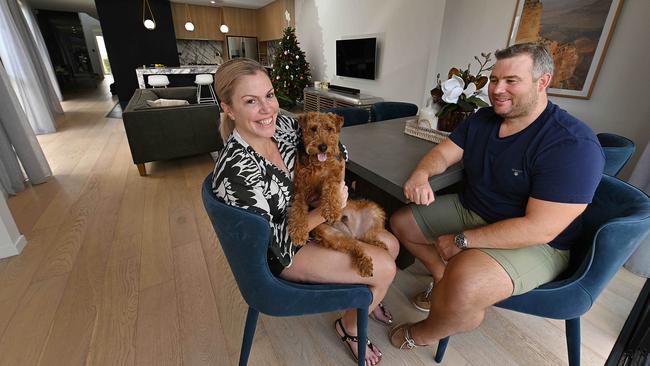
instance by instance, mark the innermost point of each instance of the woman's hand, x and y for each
(418, 190)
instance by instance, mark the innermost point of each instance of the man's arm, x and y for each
(543, 221)
(436, 161)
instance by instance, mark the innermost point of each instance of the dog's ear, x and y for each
(302, 120)
(338, 120)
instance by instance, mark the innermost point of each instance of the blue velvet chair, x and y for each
(352, 116)
(244, 237)
(614, 224)
(618, 151)
(390, 110)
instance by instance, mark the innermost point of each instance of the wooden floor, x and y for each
(126, 270)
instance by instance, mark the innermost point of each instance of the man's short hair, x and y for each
(542, 60)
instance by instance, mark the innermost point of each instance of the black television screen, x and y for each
(356, 57)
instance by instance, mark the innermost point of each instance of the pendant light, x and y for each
(223, 27)
(148, 21)
(189, 26)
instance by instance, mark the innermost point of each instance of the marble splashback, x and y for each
(199, 52)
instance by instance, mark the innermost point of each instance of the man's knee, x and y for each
(402, 222)
(472, 282)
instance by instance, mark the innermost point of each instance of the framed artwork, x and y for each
(576, 32)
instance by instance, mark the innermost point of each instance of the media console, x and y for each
(318, 100)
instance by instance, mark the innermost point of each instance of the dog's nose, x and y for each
(322, 147)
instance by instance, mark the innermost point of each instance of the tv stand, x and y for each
(318, 100)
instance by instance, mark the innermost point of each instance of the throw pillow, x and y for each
(167, 102)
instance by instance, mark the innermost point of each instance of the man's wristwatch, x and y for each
(461, 241)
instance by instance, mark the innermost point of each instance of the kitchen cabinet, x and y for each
(271, 20)
(206, 20)
(242, 22)
(266, 23)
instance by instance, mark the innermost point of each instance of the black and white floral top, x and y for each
(245, 179)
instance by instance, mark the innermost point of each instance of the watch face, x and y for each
(460, 241)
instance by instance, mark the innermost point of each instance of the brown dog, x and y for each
(319, 172)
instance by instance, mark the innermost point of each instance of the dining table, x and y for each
(381, 157)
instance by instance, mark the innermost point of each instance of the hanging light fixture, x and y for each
(189, 26)
(148, 21)
(223, 27)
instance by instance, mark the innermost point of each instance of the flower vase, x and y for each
(449, 121)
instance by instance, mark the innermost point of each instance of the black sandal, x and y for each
(346, 338)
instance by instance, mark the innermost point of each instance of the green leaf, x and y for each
(464, 105)
(447, 108)
(477, 101)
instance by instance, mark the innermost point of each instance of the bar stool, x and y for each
(157, 81)
(205, 80)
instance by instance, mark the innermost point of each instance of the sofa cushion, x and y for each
(167, 102)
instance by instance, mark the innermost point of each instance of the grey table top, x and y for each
(382, 154)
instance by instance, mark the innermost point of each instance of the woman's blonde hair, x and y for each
(225, 81)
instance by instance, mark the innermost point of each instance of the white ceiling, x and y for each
(88, 6)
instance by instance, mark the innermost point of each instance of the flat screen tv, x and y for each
(356, 58)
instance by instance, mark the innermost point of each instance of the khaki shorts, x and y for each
(527, 267)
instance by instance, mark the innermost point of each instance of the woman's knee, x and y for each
(384, 268)
(391, 242)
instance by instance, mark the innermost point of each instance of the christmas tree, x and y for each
(290, 70)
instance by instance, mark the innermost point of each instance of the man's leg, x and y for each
(407, 231)
(473, 281)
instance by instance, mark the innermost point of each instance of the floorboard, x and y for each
(121, 269)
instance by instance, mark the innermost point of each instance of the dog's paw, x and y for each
(364, 266)
(299, 238)
(298, 233)
(377, 243)
(331, 214)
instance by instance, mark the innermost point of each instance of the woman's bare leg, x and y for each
(315, 264)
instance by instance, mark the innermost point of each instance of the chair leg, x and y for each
(573, 340)
(214, 96)
(362, 329)
(142, 169)
(249, 334)
(442, 347)
(198, 94)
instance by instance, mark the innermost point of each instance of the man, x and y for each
(530, 171)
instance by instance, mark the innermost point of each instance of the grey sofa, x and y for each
(161, 133)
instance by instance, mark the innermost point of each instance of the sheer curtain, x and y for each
(19, 55)
(44, 64)
(19, 149)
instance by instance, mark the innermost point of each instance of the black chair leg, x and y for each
(362, 329)
(442, 347)
(573, 340)
(249, 334)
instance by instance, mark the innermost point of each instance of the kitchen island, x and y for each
(143, 72)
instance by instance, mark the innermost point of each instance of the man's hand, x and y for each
(446, 247)
(417, 189)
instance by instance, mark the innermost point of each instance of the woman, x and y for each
(255, 171)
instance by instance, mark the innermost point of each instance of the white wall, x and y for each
(423, 38)
(91, 28)
(619, 102)
(408, 32)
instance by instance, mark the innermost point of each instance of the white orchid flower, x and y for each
(470, 90)
(452, 89)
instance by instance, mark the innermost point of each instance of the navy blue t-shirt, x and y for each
(556, 158)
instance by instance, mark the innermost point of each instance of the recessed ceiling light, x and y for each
(213, 2)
